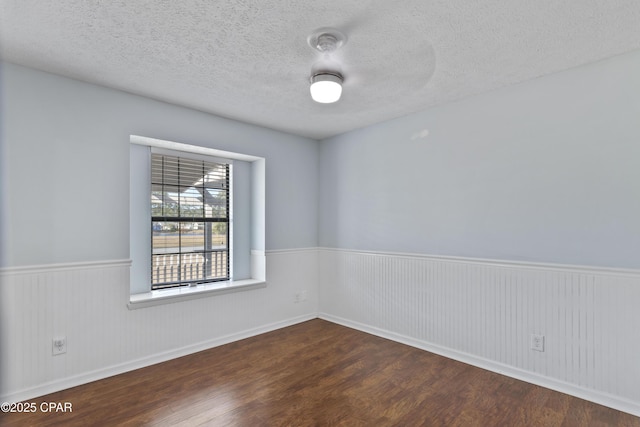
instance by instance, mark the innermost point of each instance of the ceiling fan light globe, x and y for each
(326, 88)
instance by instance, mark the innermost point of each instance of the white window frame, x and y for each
(257, 256)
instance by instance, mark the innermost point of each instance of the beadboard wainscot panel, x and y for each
(483, 312)
(87, 303)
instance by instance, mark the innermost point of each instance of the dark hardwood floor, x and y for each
(316, 374)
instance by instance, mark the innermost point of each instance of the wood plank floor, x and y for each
(317, 374)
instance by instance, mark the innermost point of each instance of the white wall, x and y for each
(547, 171)
(65, 234)
(87, 303)
(483, 312)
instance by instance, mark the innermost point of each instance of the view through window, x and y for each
(190, 221)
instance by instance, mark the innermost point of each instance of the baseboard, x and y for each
(87, 377)
(532, 378)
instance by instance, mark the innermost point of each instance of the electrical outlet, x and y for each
(59, 345)
(303, 295)
(296, 297)
(537, 342)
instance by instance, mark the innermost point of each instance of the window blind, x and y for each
(190, 221)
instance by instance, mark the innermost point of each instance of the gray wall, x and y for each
(66, 167)
(542, 171)
(548, 170)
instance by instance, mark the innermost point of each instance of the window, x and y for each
(190, 217)
(199, 229)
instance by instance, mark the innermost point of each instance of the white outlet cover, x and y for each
(59, 345)
(537, 342)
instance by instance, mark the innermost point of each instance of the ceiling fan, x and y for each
(326, 75)
(399, 60)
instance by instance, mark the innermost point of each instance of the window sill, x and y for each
(168, 296)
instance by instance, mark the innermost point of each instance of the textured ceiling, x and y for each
(250, 61)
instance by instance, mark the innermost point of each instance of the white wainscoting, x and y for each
(482, 312)
(477, 311)
(87, 303)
